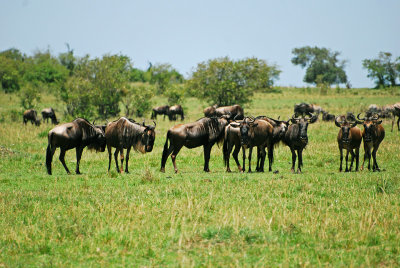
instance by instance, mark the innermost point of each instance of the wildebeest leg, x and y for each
(293, 158)
(375, 163)
(341, 159)
(116, 159)
(244, 159)
(62, 156)
(127, 159)
(79, 151)
(235, 156)
(121, 156)
(173, 157)
(270, 156)
(109, 156)
(300, 160)
(394, 118)
(398, 126)
(347, 159)
(262, 158)
(352, 159)
(258, 160)
(250, 152)
(357, 157)
(207, 152)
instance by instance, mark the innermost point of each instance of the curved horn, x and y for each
(362, 119)
(234, 118)
(154, 123)
(93, 121)
(144, 122)
(337, 123)
(295, 118)
(107, 121)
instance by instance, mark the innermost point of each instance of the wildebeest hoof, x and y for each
(377, 170)
(298, 171)
(176, 171)
(162, 170)
(276, 172)
(126, 171)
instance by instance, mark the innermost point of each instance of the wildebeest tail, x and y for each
(165, 151)
(225, 152)
(49, 155)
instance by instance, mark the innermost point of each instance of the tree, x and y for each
(108, 77)
(137, 99)
(320, 61)
(223, 81)
(383, 69)
(163, 75)
(175, 94)
(30, 95)
(67, 59)
(11, 69)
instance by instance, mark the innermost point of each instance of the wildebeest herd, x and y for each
(226, 125)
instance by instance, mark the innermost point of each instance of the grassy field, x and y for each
(147, 218)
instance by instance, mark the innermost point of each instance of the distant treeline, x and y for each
(99, 87)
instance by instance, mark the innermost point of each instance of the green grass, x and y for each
(147, 218)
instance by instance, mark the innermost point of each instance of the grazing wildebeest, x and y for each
(210, 111)
(49, 113)
(373, 134)
(349, 138)
(232, 139)
(76, 134)
(304, 109)
(175, 110)
(396, 112)
(204, 132)
(31, 115)
(159, 110)
(279, 130)
(350, 117)
(327, 116)
(296, 138)
(255, 133)
(125, 134)
(234, 111)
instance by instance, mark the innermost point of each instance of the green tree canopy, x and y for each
(384, 70)
(320, 61)
(223, 81)
(164, 75)
(11, 69)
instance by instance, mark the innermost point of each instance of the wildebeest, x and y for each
(49, 113)
(327, 116)
(303, 109)
(232, 140)
(396, 112)
(204, 132)
(278, 133)
(210, 111)
(373, 134)
(350, 117)
(31, 115)
(175, 110)
(383, 111)
(159, 110)
(125, 134)
(76, 134)
(296, 138)
(234, 111)
(349, 138)
(255, 133)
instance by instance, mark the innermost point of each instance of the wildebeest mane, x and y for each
(132, 133)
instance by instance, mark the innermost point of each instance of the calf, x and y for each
(349, 138)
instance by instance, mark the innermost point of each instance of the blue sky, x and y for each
(184, 33)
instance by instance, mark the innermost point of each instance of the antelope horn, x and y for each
(339, 122)
(154, 123)
(362, 119)
(295, 118)
(144, 122)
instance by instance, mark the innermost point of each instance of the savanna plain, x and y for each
(146, 218)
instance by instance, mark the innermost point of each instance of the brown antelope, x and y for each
(373, 135)
(349, 138)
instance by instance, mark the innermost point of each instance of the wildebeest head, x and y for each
(245, 128)
(148, 137)
(98, 140)
(370, 126)
(345, 126)
(302, 123)
(280, 127)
